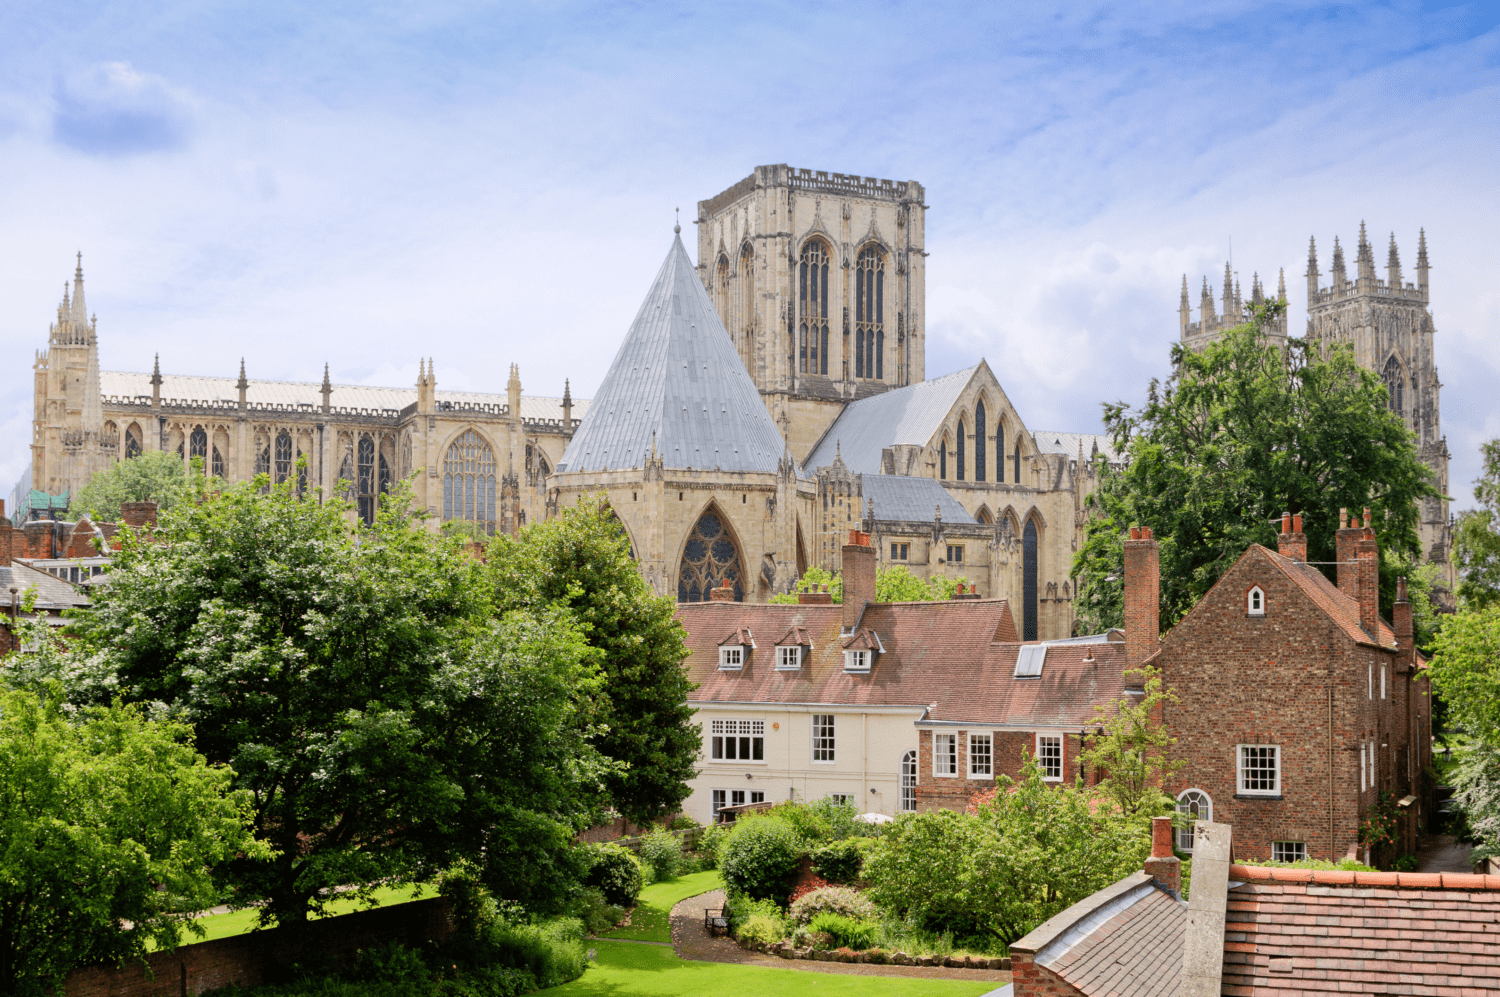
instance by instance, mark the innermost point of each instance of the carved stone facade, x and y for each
(1211, 324)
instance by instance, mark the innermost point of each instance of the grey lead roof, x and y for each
(678, 380)
(1051, 441)
(898, 497)
(906, 415)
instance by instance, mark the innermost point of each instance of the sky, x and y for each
(365, 185)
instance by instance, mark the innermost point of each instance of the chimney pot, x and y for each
(1163, 866)
(1297, 523)
(1286, 522)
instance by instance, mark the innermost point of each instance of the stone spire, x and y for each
(156, 380)
(1393, 265)
(1227, 301)
(243, 384)
(1366, 256)
(1184, 309)
(1281, 286)
(327, 391)
(80, 310)
(567, 405)
(1256, 297)
(1340, 275)
(1422, 260)
(1206, 305)
(513, 391)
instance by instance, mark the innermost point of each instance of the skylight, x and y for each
(1029, 661)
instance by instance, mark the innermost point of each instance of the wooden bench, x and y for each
(714, 921)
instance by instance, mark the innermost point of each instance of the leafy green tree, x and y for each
(580, 560)
(109, 823)
(1133, 752)
(1477, 786)
(1466, 671)
(381, 718)
(894, 583)
(157, 476)
(1476, 542)
(1240, 433)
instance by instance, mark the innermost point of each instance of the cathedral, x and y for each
(1388, 325)
(765, 401)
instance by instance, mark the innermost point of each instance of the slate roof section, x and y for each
(906, 415)
(678, 380)
(1135, 953)
(52, 593)
(1295, 931)
(899, 497)
(942, 655)
(289, 394)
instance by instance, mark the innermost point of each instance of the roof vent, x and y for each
(1029, 661)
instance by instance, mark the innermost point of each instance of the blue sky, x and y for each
(368, 184)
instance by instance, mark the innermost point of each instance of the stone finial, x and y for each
(1422, 259)
(1229, 292)
(1340, 274)
(1281, 285)
(567, 404)
(1366, 256)
(156, 371)
(1393, 264)
(327, 390)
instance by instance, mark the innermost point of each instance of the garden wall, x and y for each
(264, 956)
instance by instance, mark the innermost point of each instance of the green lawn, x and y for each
(238, 922)
(626, 970)
(650, 921)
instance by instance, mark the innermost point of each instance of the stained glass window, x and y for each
(813, 296)
(1393, 384)
(469, 481)
(133, 441)
(708, 560)
(198, 443)
(283, 456)
(1028, 581)
(869, 313)
(366, 482)
(979, 441)
(217, 468)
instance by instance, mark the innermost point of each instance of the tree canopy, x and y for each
(109, 824)
(580, 561)
(156, 476)
(1476, 541)
(893, 583)
(1240, 433)
(382, 718)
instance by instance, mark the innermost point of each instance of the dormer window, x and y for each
(788, 658)
(857, 661)
(791, 649)
(1255, 602)
(731, 658)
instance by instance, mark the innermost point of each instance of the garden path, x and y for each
(1443, 853)
(691, 940)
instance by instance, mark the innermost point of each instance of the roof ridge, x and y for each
(1350, 877)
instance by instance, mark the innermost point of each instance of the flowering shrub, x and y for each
(814, 882)
(1379, 826)
(839, 900)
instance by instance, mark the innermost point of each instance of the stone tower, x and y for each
(819, 279)
(68, 443)
(1387, 324)
(1211, 324)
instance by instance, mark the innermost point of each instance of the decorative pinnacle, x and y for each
(78, 273)
(567, 391)
(242, 384)
(677, 225)
(327, 387)
(156, 370)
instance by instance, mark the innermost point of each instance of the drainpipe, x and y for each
(1333, 848)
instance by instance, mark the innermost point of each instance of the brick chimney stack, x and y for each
(722, 593)
(1292, 542)
(1367, 553)
(138, 514)
(1163, 866)
(1345, 541)
(1142, 595)
(819, 598)
(859, 577)
(1401, 623)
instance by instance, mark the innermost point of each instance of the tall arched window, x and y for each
(262, 455)
(1198, 806)
(744, 312)
(217, 467)
(1394, 382)
(365, 483)
(1017, 478)
(133, 446)
(943, 461)
(284, 457)
(869, 313)
(721, 290)
(958, 452)
(979, 441)
(709, 559)
(1000, 452)
(197, 443)
(909, 782)
(469, 481)
(812, 357)
(1028, 581)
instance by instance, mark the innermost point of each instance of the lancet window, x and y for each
(366, 482)
(469, 482)
(744, 312)
(283, 456)
(943, 461)
(1017, 478)
(198, 444)
(959, 451)
(217, 467)
(1000, 452)
(708, 560)
(133, 445)
(1394, 383)
(812, 357)
(979, 441)
(869, 313)
(1028, 581)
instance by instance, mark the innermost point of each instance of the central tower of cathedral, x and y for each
(819, 278)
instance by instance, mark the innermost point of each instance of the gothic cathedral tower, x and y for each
(1387, 324)
(819, 279)
(68, 443)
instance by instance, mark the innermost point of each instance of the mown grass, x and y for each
(625, 970)
(651, 919)
(238, 922)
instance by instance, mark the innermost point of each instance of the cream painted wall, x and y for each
(868, 748)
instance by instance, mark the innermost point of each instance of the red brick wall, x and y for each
(1244, 679)
(954, 792)
(1032, 980)
(248, 960)
(1142, 596)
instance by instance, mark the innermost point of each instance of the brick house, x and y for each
(892, 706)
(1298, 704)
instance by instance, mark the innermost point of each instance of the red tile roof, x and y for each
(1293, 931)
(939, 654)
(1341, 607)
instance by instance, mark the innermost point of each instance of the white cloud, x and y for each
(111, 109)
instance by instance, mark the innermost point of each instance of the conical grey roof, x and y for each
(678, 378)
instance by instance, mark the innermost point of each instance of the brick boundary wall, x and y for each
(262, 956)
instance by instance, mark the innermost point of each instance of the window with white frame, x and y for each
(945, 754)
(720, 801)
(732, 658)
(757, 796)
(981, 756)
(909, 782)
(736, 797)
(822, 737)
(789, 658)
(1197, 805)
(1255, 602)
(1288, 851)
(842, 799)
(856, 661)
(737, 740)
(1049, 756)
(1259, 770)
(1363, 778)
(1369, 680)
